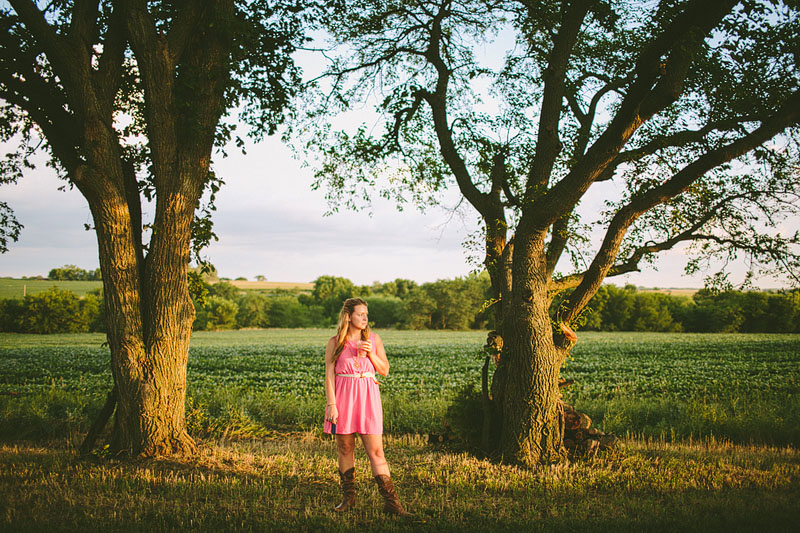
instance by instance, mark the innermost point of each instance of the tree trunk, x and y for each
(184, 71)
(149, 325)
(532, 431)
(497, 261)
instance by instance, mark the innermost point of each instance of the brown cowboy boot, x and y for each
(348, 484)
(391, 503)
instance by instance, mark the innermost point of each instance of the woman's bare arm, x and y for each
(330, 374)
(378, 357)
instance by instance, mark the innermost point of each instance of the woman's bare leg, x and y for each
(345, 448)
(373, 444)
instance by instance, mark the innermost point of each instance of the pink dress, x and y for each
(358, 399)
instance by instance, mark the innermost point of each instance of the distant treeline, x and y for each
(627, 309)
(74, 273)
(402, 303)
(460, 303)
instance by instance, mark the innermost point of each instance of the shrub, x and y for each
(253, 311)
(224, 289)
(286, 311)
(385, 311)
(53, 311)
(464, 416)
(10, 311)
(217, 313)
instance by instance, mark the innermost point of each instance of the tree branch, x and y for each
(787, 115)
(548, 144)
(54, 45)
(83, 26)
(558, 242)
(631, 264)
(586, 119)
(499, 180)
(683, 138)
(181, 31)
(404, 115)
(773, 253)
(650, 92)
(157, 70)
(497, 175)
(674, 140)
(109, 70)
(54, 132)
(25, 88)
(511, 199)
(438, 103)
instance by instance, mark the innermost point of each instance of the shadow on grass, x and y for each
(289, 483)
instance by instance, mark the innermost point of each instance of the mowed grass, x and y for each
(266, 286)
(688, 293)
(709, 426)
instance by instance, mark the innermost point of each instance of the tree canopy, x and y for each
(682, 116)
(57, 52)
(129, 99)
(527, 106)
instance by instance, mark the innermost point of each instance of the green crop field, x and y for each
(740, 387)
(709, 427)
(18, 288)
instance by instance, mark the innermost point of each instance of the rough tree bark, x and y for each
(531, 430)
(184, 73)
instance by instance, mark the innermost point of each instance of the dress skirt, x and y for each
(358, 399)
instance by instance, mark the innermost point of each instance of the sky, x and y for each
(270, 222)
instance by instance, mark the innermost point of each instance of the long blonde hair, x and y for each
(344, 324)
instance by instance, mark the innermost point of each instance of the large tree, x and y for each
(127, 98)
(681, 115)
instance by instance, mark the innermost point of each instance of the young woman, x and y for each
(352, 358)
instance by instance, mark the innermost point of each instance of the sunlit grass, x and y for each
(289, 482)
(709, 427)
(17, 288)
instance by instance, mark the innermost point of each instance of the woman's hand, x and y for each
(378, 357)
(366, 348)
(332, 414)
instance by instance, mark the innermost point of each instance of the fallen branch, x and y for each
(99, 423)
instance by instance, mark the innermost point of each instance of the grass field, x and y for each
(671, 291)
(710, 427)
(266, 286)
(740, 387)
(18, 288)
(288, 483)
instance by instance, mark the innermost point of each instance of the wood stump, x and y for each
(580, 438)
